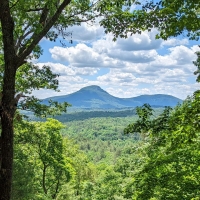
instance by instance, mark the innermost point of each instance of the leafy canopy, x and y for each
(171, 18)
(170, 169)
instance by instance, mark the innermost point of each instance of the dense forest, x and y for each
(146, 156)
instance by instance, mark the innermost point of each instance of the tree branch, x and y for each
(44, 178)
(44, 15)
(14, 4)
(18, 96)
(36, 37)
(57, 186)
(34, 9)
(17, 46)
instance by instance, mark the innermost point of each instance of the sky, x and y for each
(125, 68)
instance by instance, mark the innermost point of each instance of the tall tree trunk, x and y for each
(7, 115)
(8, 102)
(8, 108)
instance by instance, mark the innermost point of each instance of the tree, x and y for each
(44, 151)
(170, 167)
(23, 25)
(143, 124)
(46, 164)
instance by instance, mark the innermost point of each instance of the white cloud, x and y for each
(182, 54)
(179, 57)
(195, 48)
(86, 32)
(116, 77)
(68, 70)
(79, 56)
(175, 42)
(133, 56)
(144, 41)
(83, 56)
(175, 89)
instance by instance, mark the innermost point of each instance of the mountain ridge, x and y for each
(94, 97)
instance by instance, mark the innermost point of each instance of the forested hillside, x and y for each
(102, 139)
(148, 156)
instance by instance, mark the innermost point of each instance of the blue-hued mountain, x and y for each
(94, 97)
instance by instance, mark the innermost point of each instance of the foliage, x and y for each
(30, 77)
(142, 125)
(171, 167)
(171, 18)
(44, 149)
(197, 64)
(46, 165)
(83, 115)
(102, 139)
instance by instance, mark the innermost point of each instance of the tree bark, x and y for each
(8, 102)
(7, 116)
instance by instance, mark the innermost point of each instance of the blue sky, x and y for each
(126, 68)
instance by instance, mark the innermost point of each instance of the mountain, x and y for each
(94, 97)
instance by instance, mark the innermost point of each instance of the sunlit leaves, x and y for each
(30, 77)
(40, 145)
(58, 168)
(171, 169)
(171, 18)
(143, 124)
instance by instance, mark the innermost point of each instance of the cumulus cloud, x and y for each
(79, 56)
(180, 57)
(171, 88)
(84, 56)
(87, 32)
(182, 54)
(133, 56)
(68, 70)
(115, 76)
(144, 41)
(175, 42)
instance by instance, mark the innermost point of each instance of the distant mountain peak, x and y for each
(94, 96)
(91, 87)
